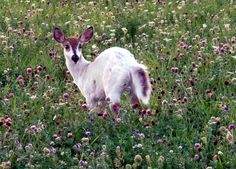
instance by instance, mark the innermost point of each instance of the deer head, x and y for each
(72, 45)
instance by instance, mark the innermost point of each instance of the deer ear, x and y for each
(87, 35)
(58, 35)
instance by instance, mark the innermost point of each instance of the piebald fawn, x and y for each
(105, 79)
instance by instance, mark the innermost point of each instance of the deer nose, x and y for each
(75, 58)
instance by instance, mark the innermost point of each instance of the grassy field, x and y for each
(189, 48)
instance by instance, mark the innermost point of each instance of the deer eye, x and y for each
(67, 47)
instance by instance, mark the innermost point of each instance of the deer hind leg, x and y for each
(113, 97)
(114, 85)
(134, 101)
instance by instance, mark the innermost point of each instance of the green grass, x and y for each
(203, 88)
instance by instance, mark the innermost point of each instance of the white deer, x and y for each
(112, 73)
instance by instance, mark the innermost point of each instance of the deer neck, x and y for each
(79, 70)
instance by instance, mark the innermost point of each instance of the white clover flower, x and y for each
(94, 46)
(91, 3)
(161, 159)
(204, 25)
(230, 138)
(125, 30)
(151, 24)
(220, 153)
(227, 26)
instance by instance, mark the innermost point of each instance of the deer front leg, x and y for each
(113, 97)
(114, 87)
(100, 108)
(90, 104)
(93, 105)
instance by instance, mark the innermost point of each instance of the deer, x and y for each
(104, 80)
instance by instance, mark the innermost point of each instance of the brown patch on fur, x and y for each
(144, 78)
(73, 41)
(94, 82)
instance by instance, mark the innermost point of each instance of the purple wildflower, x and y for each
(65, 95)
(231, 126)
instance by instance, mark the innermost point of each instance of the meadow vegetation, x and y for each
(189, 47)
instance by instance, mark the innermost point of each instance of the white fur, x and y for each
(107, 76)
